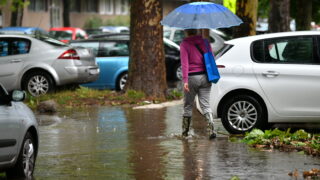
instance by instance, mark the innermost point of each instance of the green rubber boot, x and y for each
(185, 126)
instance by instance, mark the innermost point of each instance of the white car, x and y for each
(271, 78)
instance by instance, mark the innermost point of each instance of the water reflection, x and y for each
(85, 144)
(146, 127)
(121, 143)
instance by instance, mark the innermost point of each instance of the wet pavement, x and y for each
(122, 143)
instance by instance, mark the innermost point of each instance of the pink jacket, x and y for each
(191, 58)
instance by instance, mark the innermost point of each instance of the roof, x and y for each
(273, 35)
(64, 28)
(26, 30)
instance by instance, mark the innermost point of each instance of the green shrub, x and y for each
(93, 22)
(118, 21)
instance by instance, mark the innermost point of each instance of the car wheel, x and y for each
(38, 83)
(243, 113)
(121, 81)
(24, 166)
(178, 72)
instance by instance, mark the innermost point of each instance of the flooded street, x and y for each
(122, 143)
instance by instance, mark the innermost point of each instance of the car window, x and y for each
(14, 46)
(79, 36)
(3, 95)
(178, 36)
(166, 34)
(93, 46)
(285, 50)
(110, 49)
(20, 46)
(61, 35)
(50, 40)
(4, 46)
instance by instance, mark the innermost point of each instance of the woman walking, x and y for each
(195, 80)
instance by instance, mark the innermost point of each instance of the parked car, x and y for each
(114, 29)
(172, 53)
(39, 64)
(91, 32)
(23, 30)
(65, 34)
(216, 39)
(19, 140)
(112, 56)
(271, 78)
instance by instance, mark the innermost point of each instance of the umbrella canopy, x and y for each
(201, 15)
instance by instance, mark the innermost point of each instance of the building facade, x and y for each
(49, 13)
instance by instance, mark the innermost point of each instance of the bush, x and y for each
(92, 23)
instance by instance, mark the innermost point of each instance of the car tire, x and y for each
(178, 72)
(38, 83)
(121, 81)
(25, 164)
(242, 113)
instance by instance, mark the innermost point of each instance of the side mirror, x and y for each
(18, 95)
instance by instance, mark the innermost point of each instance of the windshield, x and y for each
(61, 35)
(171, 44)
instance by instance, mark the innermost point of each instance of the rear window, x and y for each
(61, 35)
(50, 40)
(112, 49)
(296, 50)
(223, 50)
(93, 46)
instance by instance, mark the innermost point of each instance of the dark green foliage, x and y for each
(278, 137)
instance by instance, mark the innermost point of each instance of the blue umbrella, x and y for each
(201, 15)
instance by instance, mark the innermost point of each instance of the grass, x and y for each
(83, 97)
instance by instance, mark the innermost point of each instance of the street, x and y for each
(122, 143)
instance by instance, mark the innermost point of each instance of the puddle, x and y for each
(122, 143)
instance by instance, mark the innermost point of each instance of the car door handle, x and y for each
(16, 60)
(270, 74)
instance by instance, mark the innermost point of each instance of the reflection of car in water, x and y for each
(271, 78)
(19, 140)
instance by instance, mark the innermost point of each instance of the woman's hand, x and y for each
(186, 87)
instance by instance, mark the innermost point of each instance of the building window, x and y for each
(75, 6)
(122, 7)
(92, 6)
(38, 5)
(106, 7)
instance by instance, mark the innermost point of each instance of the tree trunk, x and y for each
(304, 15)
(279, 16)
(17, 13)
(147, 64)
(247, 12)
(66, 13)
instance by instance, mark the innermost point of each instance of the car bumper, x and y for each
(79, 75)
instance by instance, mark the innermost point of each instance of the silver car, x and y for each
(18, 135)
(39, 64)
(271, 78)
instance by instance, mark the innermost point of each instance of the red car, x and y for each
(65, 34)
